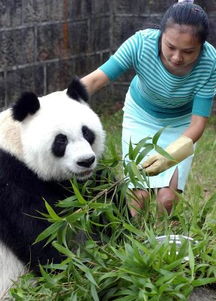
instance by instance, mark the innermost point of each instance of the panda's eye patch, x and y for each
(88, 134)
(59, 145)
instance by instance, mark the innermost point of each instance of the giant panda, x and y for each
(44, 141)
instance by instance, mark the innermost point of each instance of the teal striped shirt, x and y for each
(155, 89)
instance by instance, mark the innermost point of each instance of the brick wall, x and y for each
(43, 43)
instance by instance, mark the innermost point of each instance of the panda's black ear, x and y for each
(28, 103)
(77, 90)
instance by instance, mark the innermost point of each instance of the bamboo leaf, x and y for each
(48, 231)
(143, 153)
(131, 174)
(157, 136)
(75, 216)
(63, 250)
(68, 202)
(51, 212)
(136, 171)
(78, 194)
(139, 146)
(102, 206)
(46, 276)
(130, 151)
(162, 152)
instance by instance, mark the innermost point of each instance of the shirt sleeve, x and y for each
(203, 100)
(124, 58)
(202, 106)
(112, 68)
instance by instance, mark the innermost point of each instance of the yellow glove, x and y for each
(178, 150)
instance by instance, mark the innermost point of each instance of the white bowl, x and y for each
(177, 239)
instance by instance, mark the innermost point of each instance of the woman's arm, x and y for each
(196, 128)
(126, 57)
(94, 81)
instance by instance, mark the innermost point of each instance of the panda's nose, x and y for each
(86, 162)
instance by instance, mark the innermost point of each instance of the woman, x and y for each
(174, 86)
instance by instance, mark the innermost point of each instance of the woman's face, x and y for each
(180, 48)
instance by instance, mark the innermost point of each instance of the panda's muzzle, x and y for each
(87, 162)
(83, 175)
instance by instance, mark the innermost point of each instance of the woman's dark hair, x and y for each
(187, 14)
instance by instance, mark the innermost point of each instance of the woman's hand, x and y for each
(178, 150)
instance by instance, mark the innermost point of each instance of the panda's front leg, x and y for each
(32, 253)
(22, 227)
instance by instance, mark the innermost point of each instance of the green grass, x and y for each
(204, 165)
(130, 264)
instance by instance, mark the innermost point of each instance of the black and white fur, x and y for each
(43, 142)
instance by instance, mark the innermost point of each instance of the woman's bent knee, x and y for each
(166, 198)
(137, 203)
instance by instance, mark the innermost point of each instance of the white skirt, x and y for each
(137, 124)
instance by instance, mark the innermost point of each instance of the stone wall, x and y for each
(43, 43)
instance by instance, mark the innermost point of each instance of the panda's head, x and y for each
(60, 135)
